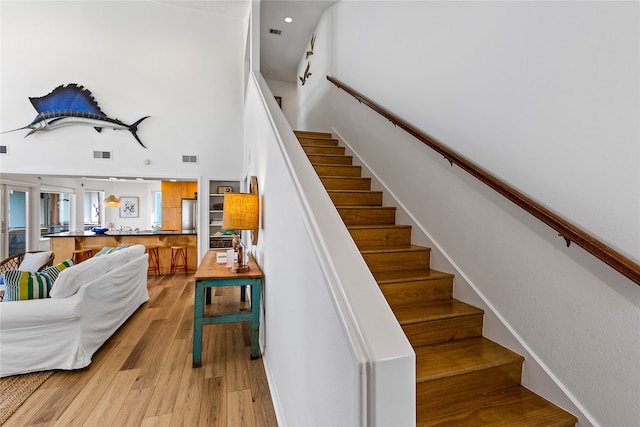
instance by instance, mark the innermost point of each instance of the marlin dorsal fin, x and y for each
(70, 97)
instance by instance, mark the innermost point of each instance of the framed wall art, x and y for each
(129, 207)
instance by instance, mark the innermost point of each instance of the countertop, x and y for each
(124, 233)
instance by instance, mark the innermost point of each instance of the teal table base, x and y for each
(200, 319)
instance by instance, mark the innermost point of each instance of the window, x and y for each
(157, 208)
(93, 209)
(55, 212)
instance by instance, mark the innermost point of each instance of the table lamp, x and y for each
(240, 212)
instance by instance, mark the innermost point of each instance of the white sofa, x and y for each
(89, 302)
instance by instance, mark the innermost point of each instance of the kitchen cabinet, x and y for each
(172, 195)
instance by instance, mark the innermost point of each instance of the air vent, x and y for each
(4, 150)
(104, 155)
(274, 31)
(189, 159)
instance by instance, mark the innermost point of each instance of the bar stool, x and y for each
(80, 255)
(179, 258)
(154, 259)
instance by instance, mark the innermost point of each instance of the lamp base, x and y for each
(240, 269)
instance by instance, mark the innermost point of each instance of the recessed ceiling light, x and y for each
(288, 19)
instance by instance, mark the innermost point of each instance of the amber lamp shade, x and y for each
(112, 202)
(240, 212)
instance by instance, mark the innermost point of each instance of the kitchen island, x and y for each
(63, 244)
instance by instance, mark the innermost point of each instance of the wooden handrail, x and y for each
(569, 231)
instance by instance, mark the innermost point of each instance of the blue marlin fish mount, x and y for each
(73, 105)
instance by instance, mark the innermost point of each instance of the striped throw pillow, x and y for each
(54, 270)
(25, 285)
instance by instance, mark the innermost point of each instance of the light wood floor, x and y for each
(142, 376)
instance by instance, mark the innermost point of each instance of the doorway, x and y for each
(14, 220)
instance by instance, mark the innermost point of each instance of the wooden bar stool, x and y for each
(154, 260)
(80, 255)
(178, 258)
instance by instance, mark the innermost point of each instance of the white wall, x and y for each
(333, 353)
(288, 92)
(138, 58)
(306, 355)
(544, 95)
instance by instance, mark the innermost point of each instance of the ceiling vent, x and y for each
(189, 159)
(4, 150)
(104, 155)
(274, 31)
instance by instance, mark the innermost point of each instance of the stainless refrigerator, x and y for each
(189, 214)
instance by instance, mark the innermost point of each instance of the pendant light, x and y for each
(112, 202)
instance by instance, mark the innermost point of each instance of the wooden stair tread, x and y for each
(312, 134)
(324, 150)
(313, 142)
(377, 226)
(345, 177)
(347, 191)
(460, 357)
(427, 311)
(321, 143)
(327, 155)
(383, 249)
(387, 208)
(514, 406)
(387, 277)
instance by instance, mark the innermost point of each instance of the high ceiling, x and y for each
(279, 53)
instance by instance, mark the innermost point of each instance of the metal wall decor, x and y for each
(306, 73)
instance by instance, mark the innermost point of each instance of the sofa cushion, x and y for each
(25, 285)
(32, 261)
(71, 279)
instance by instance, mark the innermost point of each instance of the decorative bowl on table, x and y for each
(99, 230)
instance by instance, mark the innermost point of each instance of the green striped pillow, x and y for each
(54, 270)
(24, 285)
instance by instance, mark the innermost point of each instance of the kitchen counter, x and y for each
(63, 244)
(122, 233)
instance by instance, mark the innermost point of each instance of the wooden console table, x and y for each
(211, 274)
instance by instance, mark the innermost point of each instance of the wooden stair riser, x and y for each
(393, 236)
(318, 142)
(328, 159)
(458, 388)
(444, 330)
(315, 149)
(356, 198)
(346, 183)
(418, 291)
(309, 134)
(338, 170)
(354, 215)
(397, 260)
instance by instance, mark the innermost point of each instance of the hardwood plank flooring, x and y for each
(142, 376)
